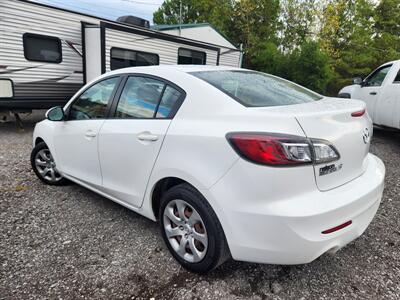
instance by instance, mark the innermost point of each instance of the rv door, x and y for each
(92, 51)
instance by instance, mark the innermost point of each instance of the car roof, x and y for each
(178, 68)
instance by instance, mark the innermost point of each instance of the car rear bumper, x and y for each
(289, 230)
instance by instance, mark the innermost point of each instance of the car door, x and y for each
(388, 106)
(129, 142)
(76, 138)
(371, 90)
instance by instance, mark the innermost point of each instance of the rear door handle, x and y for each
(373, 93)
(90, 134)
(147, 136)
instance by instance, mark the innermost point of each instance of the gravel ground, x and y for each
(67, 242)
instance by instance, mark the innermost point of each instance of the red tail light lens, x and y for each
(271, 149)
(282, 150)
(359, 113)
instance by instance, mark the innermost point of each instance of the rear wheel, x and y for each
(191, 229)
(44, 166)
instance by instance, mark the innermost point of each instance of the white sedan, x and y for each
(231, 162)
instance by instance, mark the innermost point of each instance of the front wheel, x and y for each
(191, 230)
(44, 166)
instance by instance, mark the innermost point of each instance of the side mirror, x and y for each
(55, 114)
(358, 80)
(6, 88)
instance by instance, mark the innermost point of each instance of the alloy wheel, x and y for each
(46, 166)
(185, 231)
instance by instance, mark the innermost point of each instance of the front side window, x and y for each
(191, 57)
(377, 77)
(123, 58)
(42, 48)
(255, 89)
(140, 98)
(92, 104)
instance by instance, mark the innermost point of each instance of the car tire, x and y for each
(199, 227)
(43, 165)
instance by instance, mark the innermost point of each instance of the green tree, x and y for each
(347, 37)
(216, 12)
(254, 23)
(298, 22)
(269, 59)
(387, 26)
(309, 67)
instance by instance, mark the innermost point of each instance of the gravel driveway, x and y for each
(67, 242)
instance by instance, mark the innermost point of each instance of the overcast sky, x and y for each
(109, 9)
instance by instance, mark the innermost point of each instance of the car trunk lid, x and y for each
(331, 119)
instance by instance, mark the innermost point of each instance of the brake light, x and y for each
(281, 150)
(268, 149)
(359, 113)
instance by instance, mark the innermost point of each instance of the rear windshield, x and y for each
(255, 89)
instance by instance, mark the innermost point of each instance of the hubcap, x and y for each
(46, 166)
(185, 231)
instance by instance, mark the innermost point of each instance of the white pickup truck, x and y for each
(380, 90)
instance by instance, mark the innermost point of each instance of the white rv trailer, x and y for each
(48, 53)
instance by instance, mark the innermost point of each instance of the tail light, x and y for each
(358, 114)
(281, 150)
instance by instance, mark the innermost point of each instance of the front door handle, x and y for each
(147, 136)
(373, 93)
(90, 134)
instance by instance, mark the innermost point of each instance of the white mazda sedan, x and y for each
(231, 162)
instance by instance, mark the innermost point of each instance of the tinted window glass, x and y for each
(42, 48)
(191, 57)
(377, 78)
(397, 79)
(168, 101)
(122, 58)
(140, 98)
(92, 104)
(257, 89)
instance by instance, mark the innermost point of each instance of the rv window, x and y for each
(191, 57)
(92, 104)
(42, 48)
(123, 58)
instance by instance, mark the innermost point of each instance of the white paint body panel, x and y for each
(269, 215)
(127, 161)
(384, 106)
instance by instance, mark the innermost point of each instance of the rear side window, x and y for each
(123, 58)
(42, 48)
(191, 57)
(140, 98)
(168, 102)
(397, 79)
(92, 103)
(255, 89)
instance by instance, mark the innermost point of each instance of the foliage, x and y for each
(321, 44)
(216, 12)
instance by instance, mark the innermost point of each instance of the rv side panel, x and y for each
(42, 82)
(229, 58)
(167, 50)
